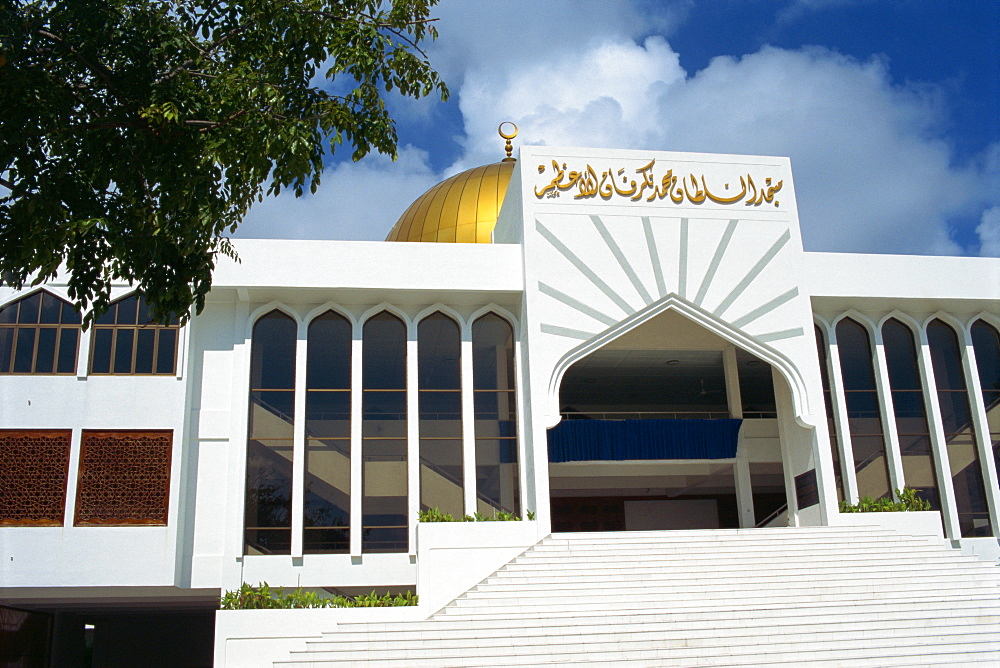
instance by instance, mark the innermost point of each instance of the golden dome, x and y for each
(460, 209)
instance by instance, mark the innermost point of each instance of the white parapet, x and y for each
(912, 523)
(452, 557)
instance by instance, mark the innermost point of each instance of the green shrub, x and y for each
(908, 501)
(263, 597)
(435, 515)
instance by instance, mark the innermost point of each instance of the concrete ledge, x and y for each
(913, 523)
(258, 638)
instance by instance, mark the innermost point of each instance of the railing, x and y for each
(645, 415)
(770, 518)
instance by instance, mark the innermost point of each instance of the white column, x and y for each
(733, 396)
(232, 569)
(84, 352)
(412, 437)
(888, 414)
(357, 394)
(299, 440)
(982, 427)
(949, 509)
(839, 401)
(783, 404)
(468, 424)
(744, 489)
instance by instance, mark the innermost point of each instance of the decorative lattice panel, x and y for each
(33, 471)
(124, 478)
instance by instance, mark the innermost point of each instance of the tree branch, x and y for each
(6, 184)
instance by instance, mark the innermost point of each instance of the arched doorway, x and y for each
(668, 426)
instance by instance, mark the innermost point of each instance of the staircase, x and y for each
(827, 596)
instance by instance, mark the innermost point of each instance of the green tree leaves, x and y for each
(135, 135)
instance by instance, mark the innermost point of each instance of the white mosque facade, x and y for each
(640, 343)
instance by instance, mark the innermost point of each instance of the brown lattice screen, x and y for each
(124, 477)
(33, 471)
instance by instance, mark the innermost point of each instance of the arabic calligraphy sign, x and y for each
(619, 184)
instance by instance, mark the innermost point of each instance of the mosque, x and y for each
(624, 349)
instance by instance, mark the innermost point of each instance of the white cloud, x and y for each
(354, 201)
(989, 232)
(871, 174)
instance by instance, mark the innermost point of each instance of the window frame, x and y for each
(117, 328)
(17, 326)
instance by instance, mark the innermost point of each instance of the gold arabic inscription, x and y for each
(692, 188)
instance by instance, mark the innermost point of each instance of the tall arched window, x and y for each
(327, 507)
(268, 518)
(864, 418)
(39, 334)
(383, 448)
(986, 343)
(126, 342)
(959, 432)
(439, 345)
(830, 419)
(910, 411)
(497, 477)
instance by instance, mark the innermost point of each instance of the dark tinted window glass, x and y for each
(8, 314)
(439, 346)
(272, 364)
(25, 350)
(329, 354)
(145, 340)
(493, 353)
(919, 471)
(326, 507)
(67, 350)
(960, 433)
(986, 343)
(29, 309)
(70, 315)
(384, 460)
(142, 312)
(439, 351)
(497, 474)
(101, 361)
(127, 309)
(6, 348)
(166, 351)
(45, 356)
(51, 308)
(384, 353)
(108, 317)
(123, 350)
(864, 417)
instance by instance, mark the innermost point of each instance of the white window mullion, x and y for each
(412, 437)
(299, 440)
(839, 401)
(468, 424)
(939, 445)
(357, 395)
(979, 420)
(888, 413)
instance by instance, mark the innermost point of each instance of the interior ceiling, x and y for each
(666, 379)
(669, 330)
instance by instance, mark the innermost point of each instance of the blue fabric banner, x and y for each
(617, 440)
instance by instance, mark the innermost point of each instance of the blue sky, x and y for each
(889, 109)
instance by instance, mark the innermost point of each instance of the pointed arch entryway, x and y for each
(670, 420)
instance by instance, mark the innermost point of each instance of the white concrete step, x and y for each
(544, 651)
(781, 597)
